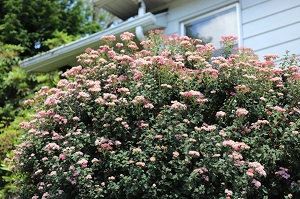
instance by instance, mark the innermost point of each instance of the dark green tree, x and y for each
(31, 22)
(28, 27)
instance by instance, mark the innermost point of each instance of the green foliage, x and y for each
(16, 85)
(8, 178)
(30, 23)
(59, 39)
(168, 121)
(28, 27)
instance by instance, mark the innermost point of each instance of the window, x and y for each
(210, 27)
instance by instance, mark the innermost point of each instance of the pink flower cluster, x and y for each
(191, 93)
(108, 38)
(51, 147)
(229, 39)
(220, 114)
(241, 111)
(126, 36)
(83, 162)
(194, 153)
(283, 173)
(177, 105)
(258, 168)
(236, 145)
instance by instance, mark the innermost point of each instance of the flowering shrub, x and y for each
(167, 121)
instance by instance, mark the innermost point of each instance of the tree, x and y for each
(28, 27)
(31, 22)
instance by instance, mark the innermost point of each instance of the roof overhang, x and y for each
(66, 55)
(125, 9)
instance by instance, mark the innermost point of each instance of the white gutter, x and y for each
(66, 55)
(139, 31)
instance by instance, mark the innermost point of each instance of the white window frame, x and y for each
(208, 14)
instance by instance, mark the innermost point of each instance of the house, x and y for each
(267, 26)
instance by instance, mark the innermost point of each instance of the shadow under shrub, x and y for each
(168, 121)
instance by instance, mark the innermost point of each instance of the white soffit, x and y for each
(66, 55)
(125, 9)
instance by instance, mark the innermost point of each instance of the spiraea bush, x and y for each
(167, 121)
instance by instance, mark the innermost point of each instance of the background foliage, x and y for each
(28, 27)
(30, 23)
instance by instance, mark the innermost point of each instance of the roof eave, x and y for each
(63, 55)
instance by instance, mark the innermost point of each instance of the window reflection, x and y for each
(210, 29)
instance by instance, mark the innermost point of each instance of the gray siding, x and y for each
(271, 26)
(182, 10)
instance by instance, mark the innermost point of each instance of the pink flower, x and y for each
(235, 145)
(241, 111)
(79, 153)
(45, 195)
(152, 159)
(124, 90)
(148, 106)
(220, 114)
(83, 162)
(76, 119)
(137, 76)
(175, 154)
(208, 127)
(118, 119)
(228, 192)
(194, 153)
(178, 105)
(279, 109)
(38, 172)
(159, 137)
(125, 125)
(51, 146)
(62, 156)
(250, 172)
(126, 36)
(283, 173)
(88, 177)
(256, 183)
(136, 150)
(95, 160)
(119, 45)
(200, 170)
(229, 39)
(53, 173)
(192, 93)
(106, 146)
(108, 38)
(258, 168)
(142, 164)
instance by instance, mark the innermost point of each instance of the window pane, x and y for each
(210, 29)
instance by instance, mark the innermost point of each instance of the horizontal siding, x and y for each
(275, 37)
(250, 3)
(272, 22)
(180, 11)
(267, 8)
(271, 26)
(282, 48)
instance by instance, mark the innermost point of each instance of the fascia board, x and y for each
(50, 60)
